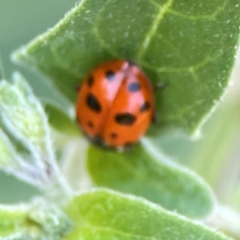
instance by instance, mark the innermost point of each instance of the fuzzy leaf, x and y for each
(24, 118)
(52, 223)
(14, 223)
(144, 172)
(22, 114)
(188, 45)
(8, 156)
(11, 161)
(40, 220)
(106, 215)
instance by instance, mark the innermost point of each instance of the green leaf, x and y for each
(12, 162)
(14, 223)
(52, 223)
(187, 45)
(22, 113)
(24, 119)
(144, 172)
(40, 220)
(106, 215)
(8, 155)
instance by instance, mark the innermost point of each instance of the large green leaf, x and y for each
(144, 172)
(105, 215)
(188, 45)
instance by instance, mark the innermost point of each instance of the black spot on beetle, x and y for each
(93, 103)
(125, 119)
(110, 75)
(114, 135)
(145, 107)
(134, 87)
(90, 124)
(90, 81)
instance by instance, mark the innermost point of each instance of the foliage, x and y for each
(188, 46)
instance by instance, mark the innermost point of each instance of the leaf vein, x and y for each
(153, 29)
(210, 17)
(117, 232)
(181, 69)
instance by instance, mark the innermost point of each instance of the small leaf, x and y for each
(40, 220)
(144, 172)
(8, 156)
(187, 45)
(52, 223)
(14, 223)
(22, 114)
(12, 162)
(24, 118)
(106, 215)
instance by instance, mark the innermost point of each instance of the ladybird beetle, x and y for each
(115, 104)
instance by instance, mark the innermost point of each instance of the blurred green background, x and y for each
(214, 154)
